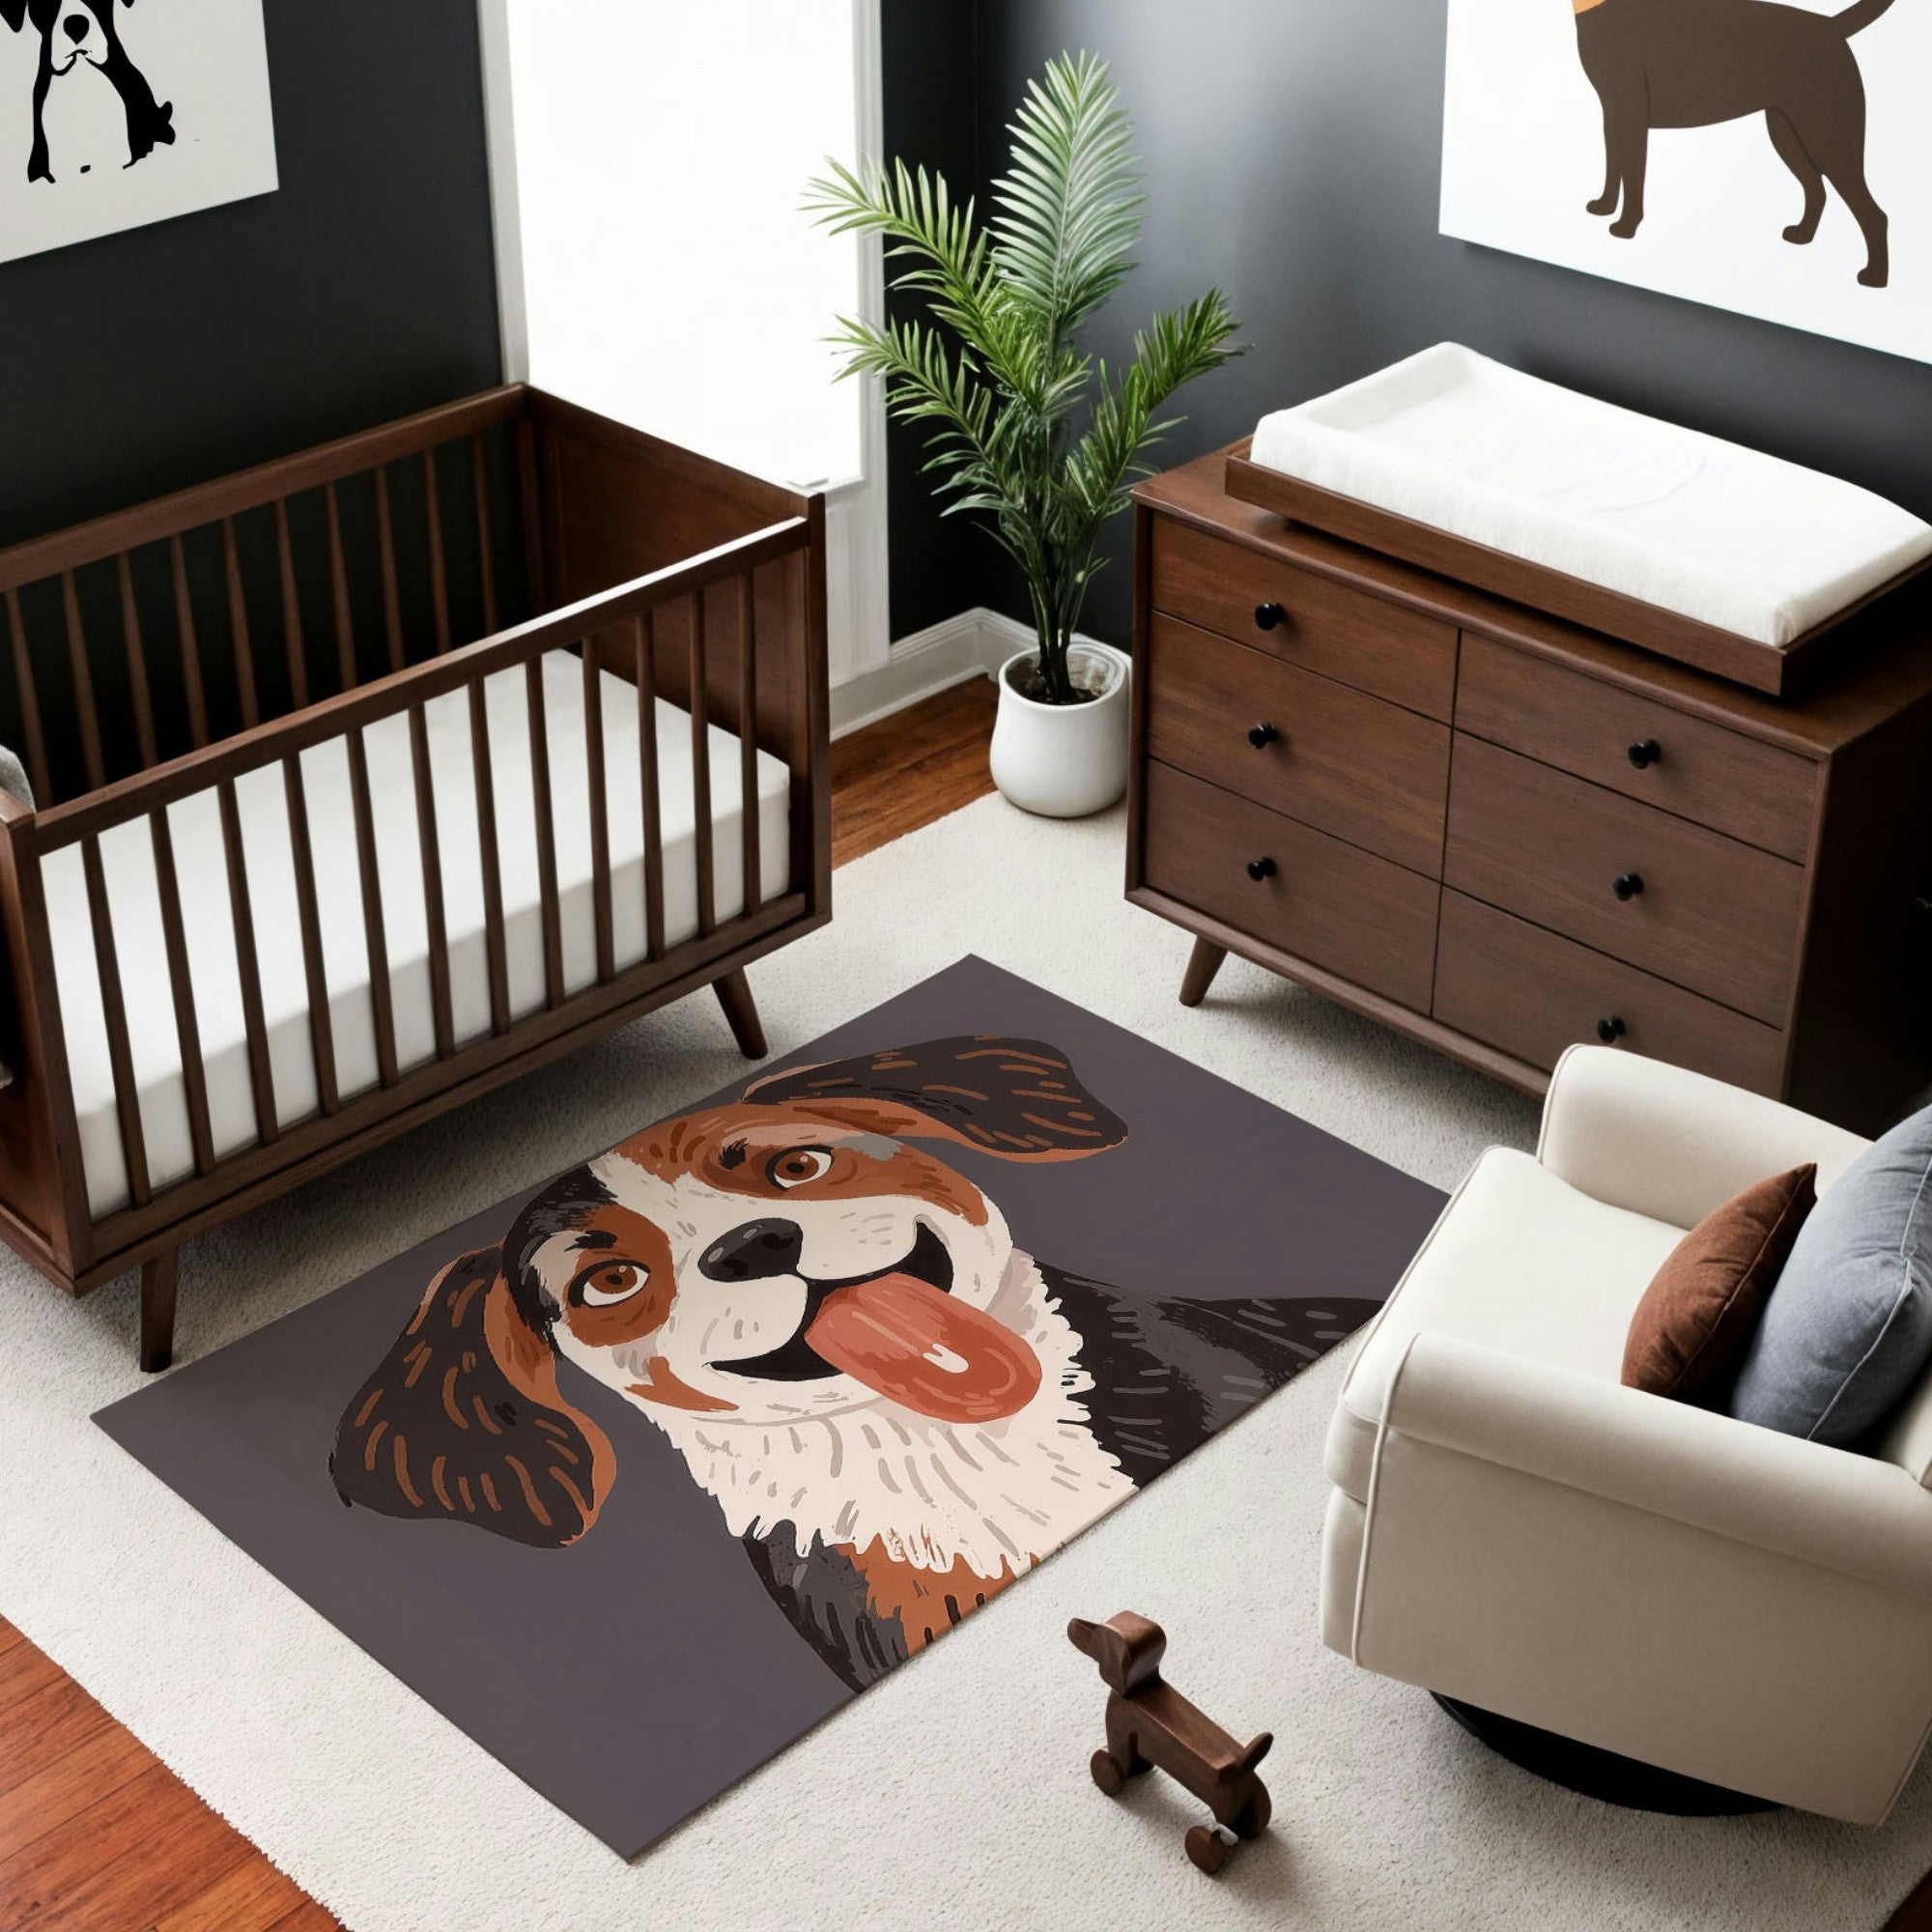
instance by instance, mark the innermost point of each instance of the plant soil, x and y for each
(1024, 678)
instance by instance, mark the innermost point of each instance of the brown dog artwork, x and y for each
(896, 1408)
(1692, 63)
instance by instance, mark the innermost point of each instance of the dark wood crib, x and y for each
(305, 868)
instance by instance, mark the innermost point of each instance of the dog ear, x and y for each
(464, 1420)
(1018, 1098)
(14, 13)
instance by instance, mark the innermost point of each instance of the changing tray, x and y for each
(1686, 545)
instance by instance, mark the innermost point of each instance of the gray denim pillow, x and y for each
(1848, 1328)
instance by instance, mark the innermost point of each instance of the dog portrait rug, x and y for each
(640, 1474)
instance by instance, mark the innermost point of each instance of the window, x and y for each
(661, 152)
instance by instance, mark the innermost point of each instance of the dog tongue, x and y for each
(915, 1345)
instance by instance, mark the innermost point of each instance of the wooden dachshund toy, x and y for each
(1151, 1726)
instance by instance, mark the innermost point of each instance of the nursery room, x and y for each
(787, 791)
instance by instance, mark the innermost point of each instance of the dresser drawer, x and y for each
(1331, 904)
(1321, 626)
(1511, 984)
(1700, 771)
(1703, 911)
(1339, 760)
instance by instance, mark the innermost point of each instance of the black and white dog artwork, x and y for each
(79, 37)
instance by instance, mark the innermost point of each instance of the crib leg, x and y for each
(734, 995)
(158, 1311)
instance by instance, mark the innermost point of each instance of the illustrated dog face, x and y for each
(781, 1258)
(73, 30)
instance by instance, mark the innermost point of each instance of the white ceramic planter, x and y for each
(1064, 761)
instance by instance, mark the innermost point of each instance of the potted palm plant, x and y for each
(1027, 431)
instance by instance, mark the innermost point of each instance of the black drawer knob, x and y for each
(1626, 885)
(1645, 754)
(1611, 1029)
(1262, 868)
(1269, 616)
(1261, 736)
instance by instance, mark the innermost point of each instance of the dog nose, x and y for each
(75, 25)
(754, 1252)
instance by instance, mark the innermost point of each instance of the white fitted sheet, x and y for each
(194, 823)
(1707, 529)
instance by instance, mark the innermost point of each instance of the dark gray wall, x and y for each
(364, 288)
(1293, 153)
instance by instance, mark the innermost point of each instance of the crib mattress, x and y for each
(1707, 530)
(194, 822)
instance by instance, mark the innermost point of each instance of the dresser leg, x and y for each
(158, 1311)
(734, 995)
(1201, 971)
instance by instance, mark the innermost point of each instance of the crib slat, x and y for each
(546, 833)
(248, 967)
(386, 544)
(529, 502)
(338, 583)
(187, 1029)
(137, 663)
(600, 810)
(700, 771)
(643, 639)
(321, 1025)
(30, 702)
(748, 740)
(486, 548)
(83, 685)
(485, 785)
(435, 921)
(238, 628)
(190, 646)
(374, 929)
(438, 566)
(292, 616)
(114, 1012)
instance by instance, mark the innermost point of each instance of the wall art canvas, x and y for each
(117, 113)
(765, 1399)
(1769, 157)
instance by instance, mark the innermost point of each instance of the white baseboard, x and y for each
(974, 643)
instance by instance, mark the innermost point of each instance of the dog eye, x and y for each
(608, 1283)
(793, 1169)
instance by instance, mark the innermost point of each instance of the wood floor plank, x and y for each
(167, 1847)
(71, 1785)
(8, 1635)
(252, 1897)
(42, 1729)
(908, 770)
(306, 1917)
(24, 1670)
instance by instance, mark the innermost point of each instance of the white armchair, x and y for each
(1512, 1528)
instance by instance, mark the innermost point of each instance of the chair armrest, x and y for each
(1850, 1514)
(1662, 1141)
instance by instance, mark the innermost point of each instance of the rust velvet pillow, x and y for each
(1689, 1335)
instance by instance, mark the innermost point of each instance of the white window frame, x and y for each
(858, 565)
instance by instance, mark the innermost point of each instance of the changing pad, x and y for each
(128, 864)
(1713, 531)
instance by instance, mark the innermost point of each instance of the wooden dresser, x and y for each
(1498, 833)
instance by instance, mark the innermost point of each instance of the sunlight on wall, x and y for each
(662, 153)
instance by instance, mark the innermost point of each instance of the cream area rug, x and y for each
(955, 1793)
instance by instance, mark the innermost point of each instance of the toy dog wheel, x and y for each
(1206, 1849)
(1109, 1774)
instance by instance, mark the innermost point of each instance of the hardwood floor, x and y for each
(901, 774)
(95, 1834)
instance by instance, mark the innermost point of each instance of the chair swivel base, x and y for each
(1598, 1773)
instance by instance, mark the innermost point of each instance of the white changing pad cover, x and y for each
(1707, 529)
